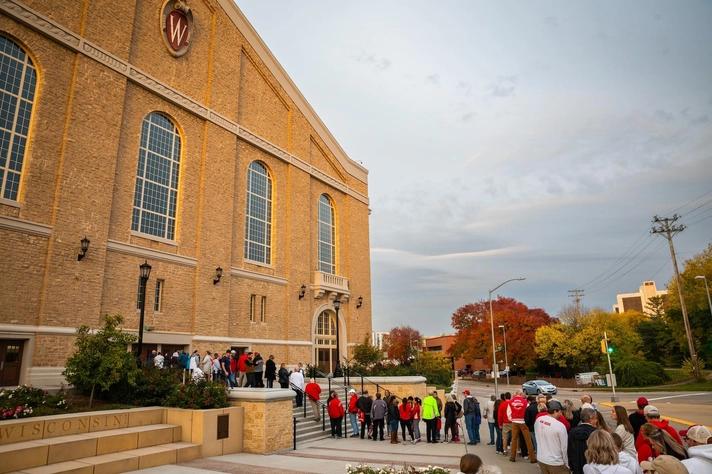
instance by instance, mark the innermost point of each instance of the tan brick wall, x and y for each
(268, 425)
(79, 177)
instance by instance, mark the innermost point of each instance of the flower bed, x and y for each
(406, 469)
(25, 401)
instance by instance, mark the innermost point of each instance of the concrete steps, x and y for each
(117, 442)
(307, 428)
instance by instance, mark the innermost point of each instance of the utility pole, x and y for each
(577, 296)
(666, 227)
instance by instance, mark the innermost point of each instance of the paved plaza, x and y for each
(332, 456)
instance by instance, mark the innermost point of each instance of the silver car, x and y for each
(535, 387)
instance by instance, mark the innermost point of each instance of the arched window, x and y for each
(258, 225)
(327, 236)
(325, 355)
(156, 195)
(18, 80)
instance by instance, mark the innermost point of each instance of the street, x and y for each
(681, 408)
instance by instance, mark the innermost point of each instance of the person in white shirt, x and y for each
(700, 450)
(552, 441)
(159, 360)
(624, 457)
(207, 367)
(624, 429)
(296, 382)
(491, 418)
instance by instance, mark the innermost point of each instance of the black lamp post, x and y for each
(337, 369)
(145, 272)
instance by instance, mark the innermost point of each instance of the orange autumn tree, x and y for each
(402, 343)
(473, 339)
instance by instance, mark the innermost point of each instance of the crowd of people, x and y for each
(248, 369)
(538, 429)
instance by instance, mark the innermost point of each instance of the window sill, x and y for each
(259, 264)
(135, 233)
(8, 202)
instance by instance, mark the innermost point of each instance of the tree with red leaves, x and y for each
(403, 343)
(473, 339)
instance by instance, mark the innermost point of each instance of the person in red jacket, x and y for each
(406, 414)
(652, 415)
(653, 441)
(313, 391)
(504, 421)
(515, 411)
(336, 413)
(353, 414)
(242, 368)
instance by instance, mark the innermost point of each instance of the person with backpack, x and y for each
(364, 404)
(378, 415)
(473, 417)
(452, 413)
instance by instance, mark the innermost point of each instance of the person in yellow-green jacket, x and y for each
(431, 413)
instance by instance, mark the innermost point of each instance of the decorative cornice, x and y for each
(26, 227)
(28, 329)
(135, 250)
(48, 27)
(239, 272)
(243, 340)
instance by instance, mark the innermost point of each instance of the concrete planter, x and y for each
(270, 413)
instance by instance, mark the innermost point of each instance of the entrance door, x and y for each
(325, 355)
(10, 362)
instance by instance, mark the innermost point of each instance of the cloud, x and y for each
(467, 117)
(433, 79)
(465, 88)
(378, 63)
(551, 21)
(504, 86)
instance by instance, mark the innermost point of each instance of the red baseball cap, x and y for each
(466, 392)
(642, 402)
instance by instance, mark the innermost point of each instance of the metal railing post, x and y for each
(323, 418)
(346, 413)
(329, 379)
(304, 403)
(362, 384)
(294, 431)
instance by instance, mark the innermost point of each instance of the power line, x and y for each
(633, 262)
(577, 296)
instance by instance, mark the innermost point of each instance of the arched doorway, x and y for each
(325, 354)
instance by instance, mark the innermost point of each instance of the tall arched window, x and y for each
(156, 195)
(327, 236)
(18, 80)
(325, 355)
(258, 225)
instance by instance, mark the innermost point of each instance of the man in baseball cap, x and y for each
(700, 450)
(637, 418)
(652, 416)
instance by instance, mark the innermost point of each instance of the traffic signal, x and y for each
(610, 349)
(603, 346)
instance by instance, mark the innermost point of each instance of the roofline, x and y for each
(253, 38)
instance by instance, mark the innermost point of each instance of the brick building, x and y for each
(441, 344)
(166, 132)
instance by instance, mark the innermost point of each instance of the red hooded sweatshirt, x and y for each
(352, 404)
(517, 407)
(643, 446)
(406, 411)
(502, 417)
(335, 408)
(313, 390)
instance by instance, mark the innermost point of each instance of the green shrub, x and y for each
(152, 387)
(637, 372)
(198, 395)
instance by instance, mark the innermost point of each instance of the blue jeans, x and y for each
(473, 428)
(491, 430)
(353, 417)
(499, 447)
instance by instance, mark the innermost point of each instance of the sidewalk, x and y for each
(329, 456)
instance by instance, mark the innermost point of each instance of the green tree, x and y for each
(696, 302)
(365, 355)
(101, 358)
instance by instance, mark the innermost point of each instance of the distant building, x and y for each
(637, 301)
(442, 344)
(379, 339)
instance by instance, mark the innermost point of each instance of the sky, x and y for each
(510, 139)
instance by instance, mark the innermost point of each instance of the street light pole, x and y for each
(709, 299)
(144, 273)
(337, 368)
(494, 353)
(506, 361)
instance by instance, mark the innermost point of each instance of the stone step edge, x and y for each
(113, 457)
(9, 447)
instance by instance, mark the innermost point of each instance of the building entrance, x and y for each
(325, 353)
(10, 362)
